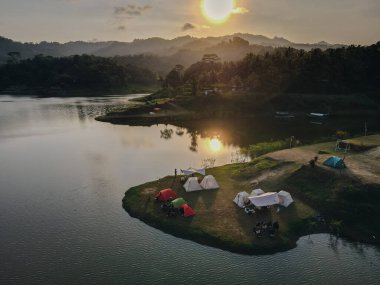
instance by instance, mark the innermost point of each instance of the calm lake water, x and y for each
(63, 176)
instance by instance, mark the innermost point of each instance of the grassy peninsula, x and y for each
(346, 199)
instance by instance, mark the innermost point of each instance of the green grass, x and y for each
(340, 199)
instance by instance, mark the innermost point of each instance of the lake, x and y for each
(63, 176)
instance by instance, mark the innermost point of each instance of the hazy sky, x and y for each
(335, 21)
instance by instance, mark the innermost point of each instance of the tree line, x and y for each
(287, 70)
(74, 73)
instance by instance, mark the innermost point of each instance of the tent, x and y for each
(266, 199)
(178, 202)
(241, 199)
(166, 195)
(209, 182)
(187, 210)
(285, 198)
(335, 162)
(257, 192)
(192, 184)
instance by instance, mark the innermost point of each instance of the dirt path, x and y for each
(363, 166)
(271, 173)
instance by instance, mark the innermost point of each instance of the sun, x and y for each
(217, 11)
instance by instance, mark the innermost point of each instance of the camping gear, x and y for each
(285, 198)
(166, 195)
(187, 210)
(192, 184)
(257, 192)
(178, 202)
(266, 199)
(335, 162)
(241, 199)
(209, 182)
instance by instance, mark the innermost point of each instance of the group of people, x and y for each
(263, 228)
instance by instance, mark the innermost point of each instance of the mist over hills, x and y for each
(164, 53)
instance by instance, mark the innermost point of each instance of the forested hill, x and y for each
(182, 50)
(84, 75)
(353, 69)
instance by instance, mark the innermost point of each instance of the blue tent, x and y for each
(335, 162)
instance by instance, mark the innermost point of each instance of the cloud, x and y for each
(130, 10)
(188, 26)
(240, 10)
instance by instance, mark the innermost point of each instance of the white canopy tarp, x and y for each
(285, 198)
(266, 199)
(257, 192)
(192, 184)
(191, 171)
(241, 199)
(209, 183)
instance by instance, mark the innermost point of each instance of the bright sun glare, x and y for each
(215, 144)
(217, 11)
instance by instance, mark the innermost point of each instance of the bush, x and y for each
(258, 149)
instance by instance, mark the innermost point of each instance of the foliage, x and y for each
(258, 149)
(342, 70)
(72, 73)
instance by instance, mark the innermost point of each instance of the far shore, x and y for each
(162, 107)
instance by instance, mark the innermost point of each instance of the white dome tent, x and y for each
(241, 199)
(192, 184)
(257, 192)
(285, 198)
(209, 183)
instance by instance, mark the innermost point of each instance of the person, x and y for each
(276, 226)
(175, 172)
(312, 163)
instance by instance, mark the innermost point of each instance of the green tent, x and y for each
(335, 162)
(178, 202)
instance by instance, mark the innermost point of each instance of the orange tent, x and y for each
(187, 210)
(166, 195)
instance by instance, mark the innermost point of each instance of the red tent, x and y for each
(166, 195)
(187, 210)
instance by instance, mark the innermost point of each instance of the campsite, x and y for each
(304, 199)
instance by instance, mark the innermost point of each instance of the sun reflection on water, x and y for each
(215, 144)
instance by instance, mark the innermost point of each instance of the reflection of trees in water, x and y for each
(82, 113)
(193, 141)
(334, 243)
(238, 157)
(208, 162)
(166, 133)
(179, 131)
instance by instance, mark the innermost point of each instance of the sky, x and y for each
(303, 21)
